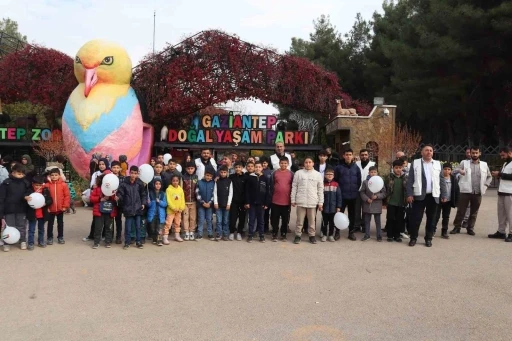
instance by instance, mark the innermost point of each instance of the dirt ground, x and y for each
(460, 289)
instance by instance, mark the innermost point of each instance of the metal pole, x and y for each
(154, 28)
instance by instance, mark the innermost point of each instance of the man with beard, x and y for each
(204, 161)
(456, 173)
(333, 158)
(504, 197)
(474, 179)
(274, 158)
(364, 165)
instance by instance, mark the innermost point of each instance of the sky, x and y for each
(66, 25)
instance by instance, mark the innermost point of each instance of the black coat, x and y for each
(132, 196)
(238, 182)
(12, 196)
(257, 190)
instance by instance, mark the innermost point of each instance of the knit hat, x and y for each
(209, 170)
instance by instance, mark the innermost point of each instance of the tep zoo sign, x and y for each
(237, 129)
(18, 134)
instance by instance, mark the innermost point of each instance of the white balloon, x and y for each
(341, 221)
(375, 184)
(37, 200)
(10, 235)
(110, 184)
(167, 157)
(178, 167)
(146, 173)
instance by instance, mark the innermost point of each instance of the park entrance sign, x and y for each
(234, 129)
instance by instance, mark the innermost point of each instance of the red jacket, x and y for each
(96, 195)
(59, 192)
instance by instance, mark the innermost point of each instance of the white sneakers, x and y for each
(238, 237)
(232, 236)
(324, 238)
(404, 235)
(187, 236)
(23, 245)
(331, 238)
(6, 248)
(177, 237)
(191, 236)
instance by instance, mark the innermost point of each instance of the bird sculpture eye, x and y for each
(108, 60)
(77, 60)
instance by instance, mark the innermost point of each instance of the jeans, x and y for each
(368, 219)
(143, 231)
(133, 220)
(32, 230)
(202, 215)
(222, 222)
(395, 221)
(256, 215)
(429, 207)
(103, 223)
(237, 212)
(351, 205)
(283, 212)
(60, 225)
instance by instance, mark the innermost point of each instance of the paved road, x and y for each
(460, 289)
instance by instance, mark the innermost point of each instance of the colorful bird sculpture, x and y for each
(102, 114)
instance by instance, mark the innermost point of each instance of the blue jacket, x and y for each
(348, 176)
(204, 191)
(332, 196)
(153, 206)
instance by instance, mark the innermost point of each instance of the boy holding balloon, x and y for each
(38, 214)
(104, 210)
(372, 193)
(332, 204)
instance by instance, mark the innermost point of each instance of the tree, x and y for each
(10, 37)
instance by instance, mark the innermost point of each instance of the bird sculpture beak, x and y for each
(91, 78)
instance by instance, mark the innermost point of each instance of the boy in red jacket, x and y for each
(38, 216)
(103, 211)
(59, 192)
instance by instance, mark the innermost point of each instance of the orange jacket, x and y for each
(59, 192)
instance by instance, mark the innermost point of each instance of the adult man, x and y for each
(364, 165)
(234, 158)
(348, 176)
(456, 173)
(425, 187)
(274, 158)
(474, 179)
(203, 161)
(160, 157)
(226, 160)
(333, 158)
(504, 197)
(399, 154)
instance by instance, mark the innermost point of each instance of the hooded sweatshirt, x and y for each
(175, 199)
(29, 167)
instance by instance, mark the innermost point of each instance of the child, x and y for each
(59, 192)
(322, 163)
(156, 211)
(38, 216)
(280, 192)
(307, 195)
(237, 210)
(396, 197)
(171, 171)
(132, 195)
(124, 165)
(257, 199)
(222, 197)
(175, 205)
(332, 204)
(189, 188)
(267, 172)
(104, 209)
(115, 167)
(159, 171)
(204, 195)
(14, 193)
(372, 205)
(452, 192)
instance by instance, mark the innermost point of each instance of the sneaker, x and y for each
(238, 236)
(139, 245)
(321, 234)
(199, 237)
(118, 240)
(296, 240)
(187, 236)
(365, 238)
(49, 241)
(42, 245)
(509, 238)
(312, 240)
(249, 239)
(231, 236)
(23, 245)
(86, 239)
(404, 235)
(143, 241)
(132, 240)
(283, 238)
(324, 238)
(497, 235)
(331, 239)
(211, 237)
(262, 239)
(95, 246)
(30, 247)
(191, 236)
(6, 248)
(108, 245)
(274, 238)
(226, 239)
(390, 240)
(337, 234)
(61, 241)
(398, 240)
(379, 238)
(351, 236)
(126, 246)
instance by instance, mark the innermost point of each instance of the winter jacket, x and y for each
(257, 190)
(376, 206)
(132, 196)
(59, 192)
(96, 195)
(175, 199)
(163, 181)
(4, 174)
(189, 187)
(391, 185)
(223, 192)
(333, 160)
(238, 182)
(332, 197)
(40, 213)
(348, 176)
(12, 196)
(29, 167)
(454, 194)
(157, 208)
(204, 191)
(307, 189)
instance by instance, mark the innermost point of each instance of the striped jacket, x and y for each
(332, 196)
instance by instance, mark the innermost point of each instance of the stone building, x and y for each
(375, 132)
